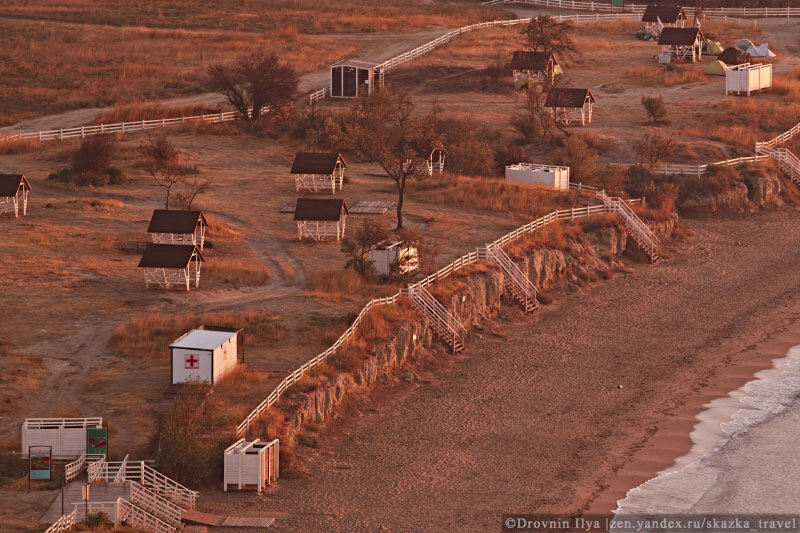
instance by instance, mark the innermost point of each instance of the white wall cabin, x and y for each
(203, 355)
(385, 254)
(550, 176)
(251, 465)
(747, 78)
(66, 436)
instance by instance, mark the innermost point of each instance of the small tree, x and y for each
(383, 130)
(94, 154)
(549, 36)
(165, 164)
(196, 186)
(576, 153)
(654, 148)
(253, 82)
(655, 108)
(356, 246)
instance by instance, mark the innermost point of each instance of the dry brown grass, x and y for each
(219, 229)
(662, 76)
(236, 273)
(148, 111)
(555, 236)
(741, 122)
(788, 85)
(383, 321)
(338, 284)
(21, 378)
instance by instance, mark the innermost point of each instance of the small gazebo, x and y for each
(527, 65)
(668, 15)
(320, 219)
(351, 78)
(176, 226)
(570, 106)
(318, 171)
(683, 44)
(14, 190)
(171, 265)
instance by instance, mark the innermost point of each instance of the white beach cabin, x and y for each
(65, 436)
(251, 465)
(387, 254)
(748, 78)
(203, 355)
(551, 176)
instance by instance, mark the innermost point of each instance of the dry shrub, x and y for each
(383, 321)
(19, 147)
(237, 273)
(555, 236)
(150, 111)
(219, 229)
(338, 283)
(443, 290)
(148, 337)
(788, 85)
(349, 356)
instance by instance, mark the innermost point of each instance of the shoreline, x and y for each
(673, 441)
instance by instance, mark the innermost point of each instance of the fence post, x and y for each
(163, 122)
(102, 128)
(61, 134)
(83, 132)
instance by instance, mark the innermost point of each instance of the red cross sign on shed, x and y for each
(192, 361)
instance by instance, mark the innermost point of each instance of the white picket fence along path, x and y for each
(753, 12)
(129, 513)
(479, 254)
(64, 523)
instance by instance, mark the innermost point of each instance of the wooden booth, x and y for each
(527, 65)
(14, 190)
(389, 256)
(318, 171)
(67, 437)
(171, 265)
(351, 78)
(670, 16)
(251, 464)
(176, 226)
(319, 219)
(570, 106)
(748, 78)
(682, 44)
(204, 355)
(553, 177)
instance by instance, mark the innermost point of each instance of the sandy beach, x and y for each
(563, 412)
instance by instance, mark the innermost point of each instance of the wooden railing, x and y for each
(73, 469)
(64, 523)
(145, 475)
(446, 326)
(754, 12)
(136, 517)
(154, 504)
(786, 161)
(121, 472)
(517, 282)
(642, 234)
(780, 139)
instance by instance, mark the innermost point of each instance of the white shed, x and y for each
(386, 254)
(66, 436)
(747, 78)
(251, 465)
(204, 355)
(551, 176)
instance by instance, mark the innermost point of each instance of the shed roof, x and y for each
(355, 63)
(667, 14)
(168, 255)
(568, 97)
(11, 183)
(318, 209)
(680, 36)
(316, 163)
(536, 61)
(203, 339)
(175, 221)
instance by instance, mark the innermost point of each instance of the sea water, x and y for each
(745, 456)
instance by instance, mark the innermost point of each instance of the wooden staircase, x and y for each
(514, 279)
(138, 518)
(787, 162)
(642, 234)
(444, 324)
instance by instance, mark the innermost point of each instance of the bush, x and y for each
(528, 129)
(468, 146)
(509, 154)
(654, 107)
(654, 148)
(497, 77)
(576, 154)
(311, 441)
(98, 520)
(109, 176)
(94, 154)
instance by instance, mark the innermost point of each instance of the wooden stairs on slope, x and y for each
(514, 279)
(640, 232)
(787, 162)
(445, 325)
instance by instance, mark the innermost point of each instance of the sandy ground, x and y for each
(531, 418)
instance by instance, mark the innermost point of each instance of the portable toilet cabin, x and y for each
(553, 177)
(386, 254)
(66, 437)
(204, 355)
(251, 465)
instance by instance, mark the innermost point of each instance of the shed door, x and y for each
(349, 82)
(336, 81)
(363, 81)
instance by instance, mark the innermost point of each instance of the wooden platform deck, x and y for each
(208, 519)
(100, 492)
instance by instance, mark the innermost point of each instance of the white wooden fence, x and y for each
(64, 523)
(756, 12)
(106, 471)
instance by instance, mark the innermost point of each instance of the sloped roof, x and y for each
(175, 221)
(316, 163)
(535, 61)
(317, 209)
(168, 255)
(680, 36)
(203, 339)
(10, 184)
(667, 14)
(568, 97)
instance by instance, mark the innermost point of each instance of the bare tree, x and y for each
(536, 119)
(165, 164)
(654, 148)
(254, 82)
(384, 130)
(548, 35)
(366, 237)
(196, 186)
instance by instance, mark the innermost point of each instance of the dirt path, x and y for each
(537, 413)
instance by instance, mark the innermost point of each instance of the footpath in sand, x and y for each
(530, 418)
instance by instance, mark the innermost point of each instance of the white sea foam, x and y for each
(678, 488)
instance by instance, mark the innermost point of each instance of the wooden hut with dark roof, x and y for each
(176, 226)
(320, 219)
(570, 106)
(683, 44)
(171, 265)
(526, 65)
(669, 15)
(315, 172)
(14, 190)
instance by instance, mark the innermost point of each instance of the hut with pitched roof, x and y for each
(14, 189)
(682, 44)
(316, 172)
(171, 265)
(570, 106)
(526, 65)
(176, 226)
(320, 219)
(670, 16)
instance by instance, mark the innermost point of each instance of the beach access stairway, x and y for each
(144, 475)
(514, 279)
(787, 162)
(640, 232)
(444, 324)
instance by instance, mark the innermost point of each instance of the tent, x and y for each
(735, 56)
(761, 50)
(716, 68)
(744, 44)
(713, 48)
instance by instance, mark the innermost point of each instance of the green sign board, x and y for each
(97, 441)
(39, 462)
(617, 3)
